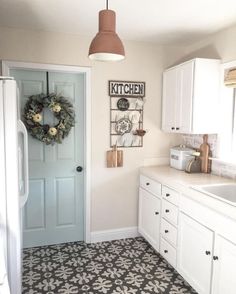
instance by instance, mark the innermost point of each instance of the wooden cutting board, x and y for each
(114, 157)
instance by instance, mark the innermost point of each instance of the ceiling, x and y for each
(172, 22)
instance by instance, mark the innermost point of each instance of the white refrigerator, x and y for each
(13, 186)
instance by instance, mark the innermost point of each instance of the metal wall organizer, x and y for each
(126, 113)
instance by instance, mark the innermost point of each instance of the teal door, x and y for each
(54, 212)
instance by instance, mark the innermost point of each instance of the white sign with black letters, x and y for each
(126, 89)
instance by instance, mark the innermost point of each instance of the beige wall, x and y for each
(221, 45)
(114, 191)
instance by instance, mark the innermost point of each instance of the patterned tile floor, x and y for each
(128, 266)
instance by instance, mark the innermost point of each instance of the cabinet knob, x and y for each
(172, 128)
(208, 252)
(167, 210)
(166, 231)
(177, 129)
(156, 213)
(165, 251)
(147, 184)
(215, 257)
(167, 194)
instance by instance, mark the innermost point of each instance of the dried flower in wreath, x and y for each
(61, 108)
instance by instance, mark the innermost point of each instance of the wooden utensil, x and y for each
(114, 157)
(140, 132)
(119, 158)
(205, 153)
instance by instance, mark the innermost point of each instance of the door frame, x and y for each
(7, 65)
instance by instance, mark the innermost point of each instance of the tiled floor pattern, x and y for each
(128, 266)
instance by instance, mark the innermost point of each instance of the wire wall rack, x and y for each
(126, 116)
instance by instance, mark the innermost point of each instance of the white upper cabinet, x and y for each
(191, 97)
(169, 100)
(184, 108)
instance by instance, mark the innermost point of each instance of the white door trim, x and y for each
(7, 65)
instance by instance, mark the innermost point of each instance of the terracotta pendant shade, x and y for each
(107, 46)
(230, 78)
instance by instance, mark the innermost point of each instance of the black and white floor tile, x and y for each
(128, 266)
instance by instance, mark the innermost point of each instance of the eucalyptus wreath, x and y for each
(60, 107)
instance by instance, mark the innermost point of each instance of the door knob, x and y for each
(79, 169)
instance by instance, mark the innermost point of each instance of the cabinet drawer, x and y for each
(171, 195)
(150, 185)
(169, 232)
(170, 212)
(168, 252)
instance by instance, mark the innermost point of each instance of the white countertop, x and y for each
(184, 183)
(176, 177)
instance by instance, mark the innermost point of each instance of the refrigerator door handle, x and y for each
(4, 286)
(22, 129)
(3, 272)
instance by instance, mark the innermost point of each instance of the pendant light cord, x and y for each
(107, 5)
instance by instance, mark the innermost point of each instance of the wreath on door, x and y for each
(61, 108)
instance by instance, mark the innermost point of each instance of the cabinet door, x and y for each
(185, 98)
(169, 100)
(194, 261)
(149, 217)
(224, 265)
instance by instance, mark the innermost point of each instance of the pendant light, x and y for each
(107, 46)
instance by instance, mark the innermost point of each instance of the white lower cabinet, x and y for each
(202, 252)
(149, 217)
(198, 242)
(195, 244)
(170, 212)
(224, 266)
(168, 252)
(169, 223)
(169, 232)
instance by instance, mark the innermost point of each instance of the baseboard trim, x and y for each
(117, 234)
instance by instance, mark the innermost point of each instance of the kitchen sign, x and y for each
(126, 89)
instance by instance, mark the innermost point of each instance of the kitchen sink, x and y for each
(226, 192)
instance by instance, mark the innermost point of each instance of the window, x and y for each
(234, 125)
(227, 121)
